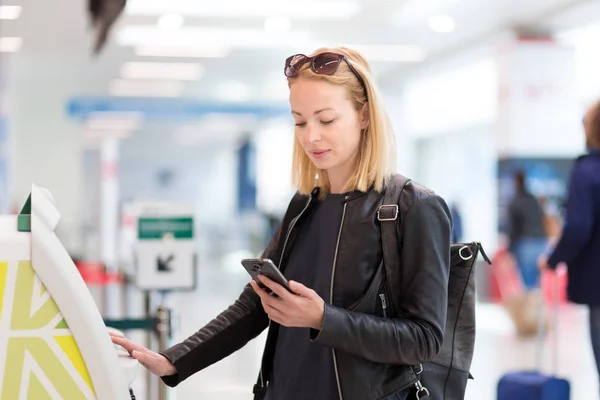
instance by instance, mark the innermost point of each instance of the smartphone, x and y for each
(266, 267)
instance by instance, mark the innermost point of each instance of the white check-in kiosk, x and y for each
(53, 341)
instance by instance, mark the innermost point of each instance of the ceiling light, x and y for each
(10, 12)
(156, 70)
(10, 44)
(391, 53)
(277, 24)
(442, 23)
(417, 11)
(135, 35)
(183, 51)
(170, 22)
(313, 9)
(121, 87)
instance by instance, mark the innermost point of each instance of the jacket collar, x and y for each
(348, 196)
(354, 195)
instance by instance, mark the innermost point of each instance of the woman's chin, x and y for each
(321, 164)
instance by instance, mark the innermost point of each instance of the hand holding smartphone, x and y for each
(266, 267)
(300, 308)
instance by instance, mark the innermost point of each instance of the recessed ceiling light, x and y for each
(170, 22)
(200, 36)
(182, 51)
(416, 11)
(157, 70)
(308, 9)
(10, 12)
(10, 44)
(123, 87)
(442, 23)
(277, 24)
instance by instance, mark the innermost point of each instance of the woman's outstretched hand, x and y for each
(302, 309)
(152, 361)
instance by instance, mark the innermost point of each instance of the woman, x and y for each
(337, 336)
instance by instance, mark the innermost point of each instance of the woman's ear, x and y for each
(365, 117)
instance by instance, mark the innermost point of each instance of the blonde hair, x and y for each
(376, 160)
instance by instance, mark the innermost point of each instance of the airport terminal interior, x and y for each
(146, 149)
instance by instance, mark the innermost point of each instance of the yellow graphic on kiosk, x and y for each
(38, 353)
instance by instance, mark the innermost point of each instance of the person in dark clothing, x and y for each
(340, 333)
(527, 231)
(579, 243)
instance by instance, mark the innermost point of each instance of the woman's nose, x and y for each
(313, 134)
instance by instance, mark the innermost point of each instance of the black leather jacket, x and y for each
(374, 336)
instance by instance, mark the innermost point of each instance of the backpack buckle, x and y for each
(422, 392)
(420, 371)
(390, 212)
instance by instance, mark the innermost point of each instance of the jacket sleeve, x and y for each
(416, 335)
(579, 223)
(227, 333)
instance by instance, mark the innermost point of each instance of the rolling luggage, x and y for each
(535, 385)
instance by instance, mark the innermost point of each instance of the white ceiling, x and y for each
(57, 40)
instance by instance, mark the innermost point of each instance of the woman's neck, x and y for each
(337, 181)
(339, 176)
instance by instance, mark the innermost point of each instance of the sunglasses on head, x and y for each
(322, 64)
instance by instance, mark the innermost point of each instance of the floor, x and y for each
(497, 348)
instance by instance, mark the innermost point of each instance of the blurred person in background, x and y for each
(457, 223)
(340, 333)
(528, 238)
(552, 220)
(579, 243)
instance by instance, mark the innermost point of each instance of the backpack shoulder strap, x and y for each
(388, 214)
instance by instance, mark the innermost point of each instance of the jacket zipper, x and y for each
(383, 304)
(337, 375)
(292, 224)
(287, 236)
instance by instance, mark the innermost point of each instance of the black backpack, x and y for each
(446, 376)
